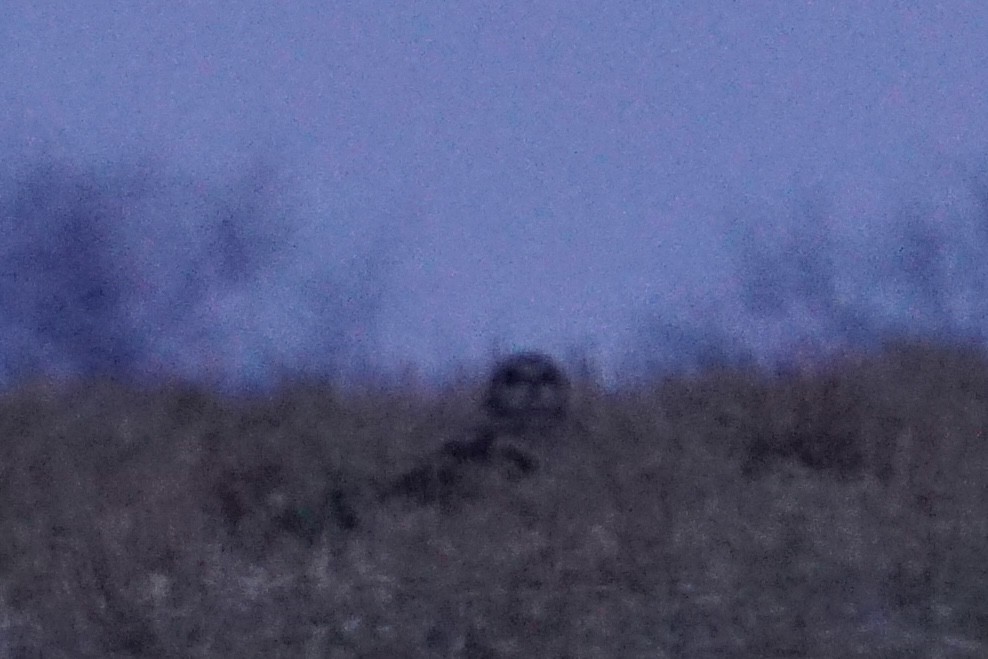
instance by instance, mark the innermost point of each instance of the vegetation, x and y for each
(840, 513)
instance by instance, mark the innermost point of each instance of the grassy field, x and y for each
(731, 514)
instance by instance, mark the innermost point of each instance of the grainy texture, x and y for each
(841, 514)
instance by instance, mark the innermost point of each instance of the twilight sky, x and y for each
(538, 175)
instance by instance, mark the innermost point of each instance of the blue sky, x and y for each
(532, 175)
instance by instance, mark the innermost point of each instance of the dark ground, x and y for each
(841, 514)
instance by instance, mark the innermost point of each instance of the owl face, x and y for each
(528, 391)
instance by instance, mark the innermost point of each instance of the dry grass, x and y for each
(677, 520)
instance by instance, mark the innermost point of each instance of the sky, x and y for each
(428, 182)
